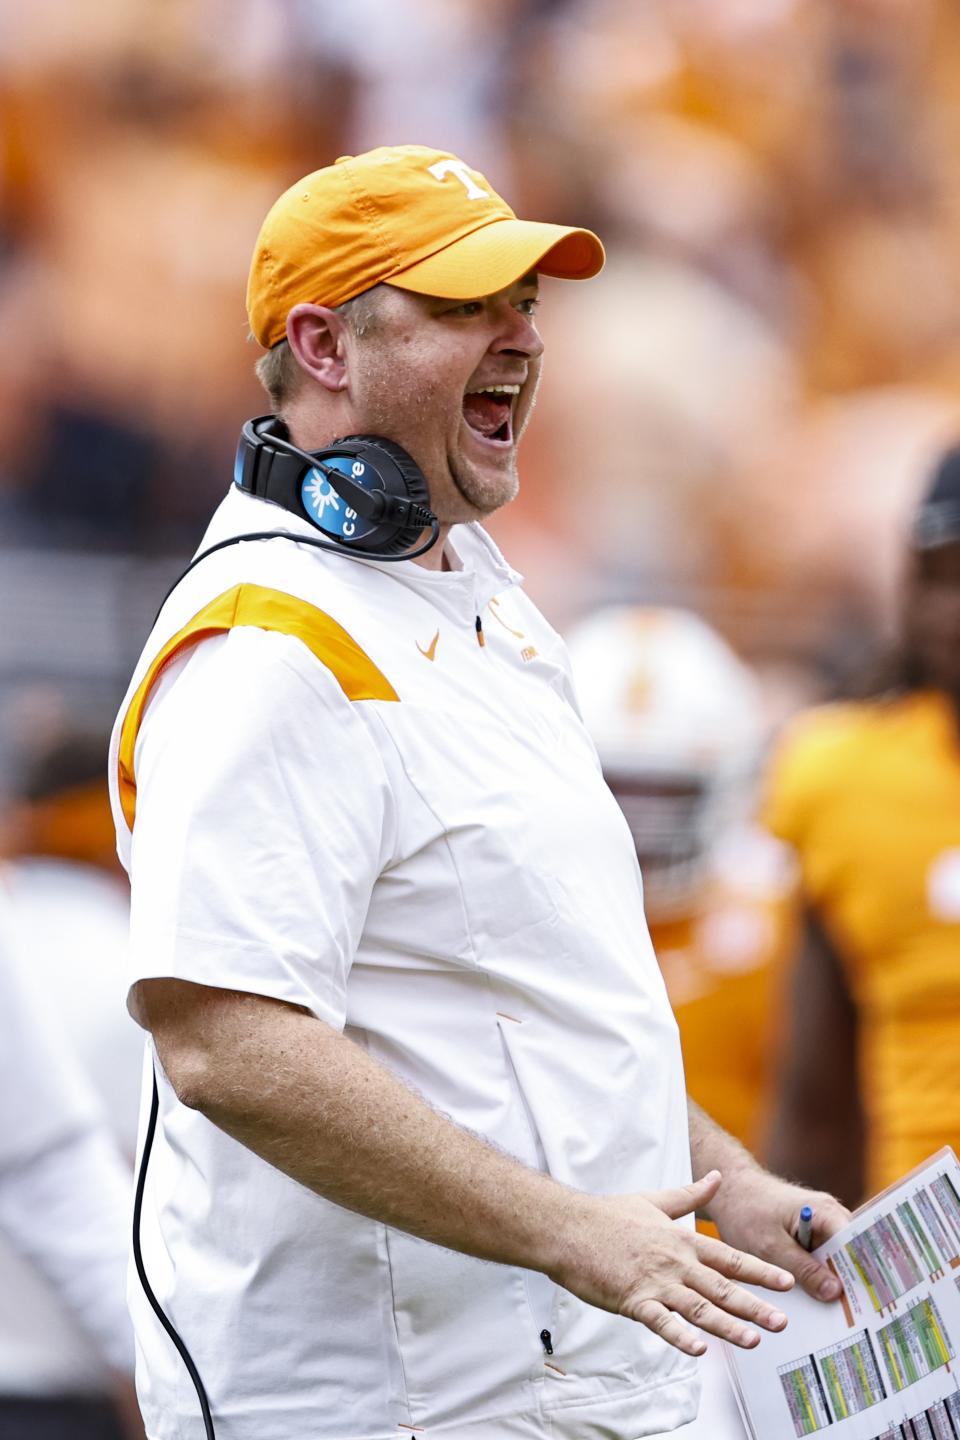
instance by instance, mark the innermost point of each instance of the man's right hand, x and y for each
(623, 1253)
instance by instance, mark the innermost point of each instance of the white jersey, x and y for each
(341, 798)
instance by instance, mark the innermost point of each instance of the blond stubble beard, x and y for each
(396, 406)
(486, 494)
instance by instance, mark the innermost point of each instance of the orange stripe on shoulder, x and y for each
(262, 609)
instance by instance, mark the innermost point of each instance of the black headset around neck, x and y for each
(365, 494)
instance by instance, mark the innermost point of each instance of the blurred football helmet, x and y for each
(677, 721)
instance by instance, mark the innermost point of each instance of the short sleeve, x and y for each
(264, 818)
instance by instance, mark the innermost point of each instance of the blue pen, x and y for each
(805, 1228)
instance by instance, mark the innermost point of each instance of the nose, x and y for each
(517, 334)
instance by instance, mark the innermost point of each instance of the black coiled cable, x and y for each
(182, 1350)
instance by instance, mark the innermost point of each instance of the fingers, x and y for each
(725, 1298)
(819, 1281)
(816, 1279)
(668, 1326)
(707, 1297)
(699, 1311)
(737, 1265)
(687, 1198)
(666, 1318)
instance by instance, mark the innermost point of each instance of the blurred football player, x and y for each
(677, 721)
(868, 794)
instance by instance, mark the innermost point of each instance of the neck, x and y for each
(436, 557)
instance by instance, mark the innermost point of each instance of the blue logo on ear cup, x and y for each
(328, 509)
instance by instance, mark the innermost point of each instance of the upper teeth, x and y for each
(496, 390)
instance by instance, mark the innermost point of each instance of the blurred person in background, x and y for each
(67, 1144)
(69, 900)
(678, 721)
(66, 1343)
(867, 793)
(394, 49)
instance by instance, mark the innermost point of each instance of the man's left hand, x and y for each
(758, 1212)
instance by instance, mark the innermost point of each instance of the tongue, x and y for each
(485, 413)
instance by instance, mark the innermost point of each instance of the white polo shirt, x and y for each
(339, 797)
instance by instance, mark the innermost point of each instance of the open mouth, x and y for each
(489, 412)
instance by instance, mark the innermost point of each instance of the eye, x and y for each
(529, 306)
(469, 307)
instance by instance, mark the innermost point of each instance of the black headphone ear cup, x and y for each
(402, 478)
(367, 471)
(415, 484)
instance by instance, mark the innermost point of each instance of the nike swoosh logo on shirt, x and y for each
(431, 650)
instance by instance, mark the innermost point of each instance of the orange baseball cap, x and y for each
(416, 218)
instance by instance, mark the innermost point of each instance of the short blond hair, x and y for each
(278, 370)
(279, 374)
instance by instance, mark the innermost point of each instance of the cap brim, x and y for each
(500, 253)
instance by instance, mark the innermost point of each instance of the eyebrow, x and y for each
(530, 280)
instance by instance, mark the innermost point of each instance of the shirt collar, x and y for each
(476, 563)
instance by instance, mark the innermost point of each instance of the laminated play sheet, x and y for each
(882, 1362)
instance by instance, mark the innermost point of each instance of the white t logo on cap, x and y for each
(443, 168)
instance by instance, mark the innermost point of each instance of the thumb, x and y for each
(819, 1281)
(687, 1197)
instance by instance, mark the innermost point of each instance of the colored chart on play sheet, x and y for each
(881, 1363)
(947, 1247)
(885, 1262)
(806, 1400)
(907, 1213)
(940, 1421)
(945, 1191)
(850, 1375)
(914, 1345)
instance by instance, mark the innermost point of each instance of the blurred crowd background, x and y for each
(737, 418)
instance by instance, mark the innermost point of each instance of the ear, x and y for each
(316, 337)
